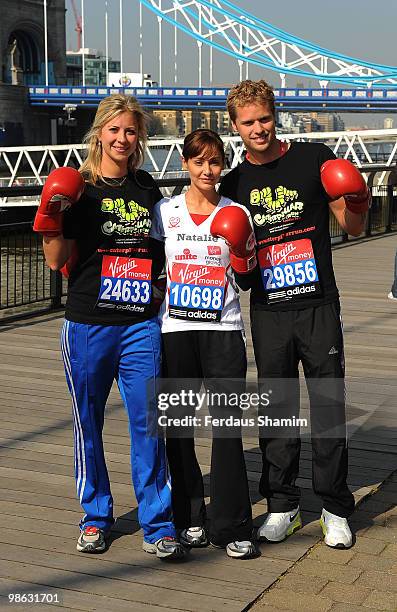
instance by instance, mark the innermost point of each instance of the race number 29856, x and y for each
(289, 271)
(296, 273)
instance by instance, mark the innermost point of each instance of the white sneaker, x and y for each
(336, 530)
(165, 548)
(242, 550)
(193, 537)
(391, 296)
(280, 525)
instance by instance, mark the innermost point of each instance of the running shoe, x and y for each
(193, 537)
(91, 540)
(336, 530)
(391, 296)
(165, 548)
(239, 550)
(280, 525)
(242, 550)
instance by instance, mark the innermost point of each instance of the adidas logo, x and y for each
(332, 351)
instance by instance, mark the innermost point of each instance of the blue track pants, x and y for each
(95, 355)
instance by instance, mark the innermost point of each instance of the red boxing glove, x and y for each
(71, 263)
(62, 188)
(232, 224)
(341, 178)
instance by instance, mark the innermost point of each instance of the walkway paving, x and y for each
(362, 578)
(39, 512)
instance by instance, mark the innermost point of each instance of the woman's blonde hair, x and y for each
(108, 109)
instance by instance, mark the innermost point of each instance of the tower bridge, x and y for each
(251, 41)
(288, 99)
(34, 82)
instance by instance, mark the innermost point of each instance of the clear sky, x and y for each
(361, 28)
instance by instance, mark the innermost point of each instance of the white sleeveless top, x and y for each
(201, 289)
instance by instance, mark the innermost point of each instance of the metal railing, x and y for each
(30, 165)
(28, 285)
(25, 279)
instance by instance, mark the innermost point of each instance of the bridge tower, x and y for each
(22, 64)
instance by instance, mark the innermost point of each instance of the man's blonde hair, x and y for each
(250, 92)
(108, 109)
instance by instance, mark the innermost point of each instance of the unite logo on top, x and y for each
(185, 256)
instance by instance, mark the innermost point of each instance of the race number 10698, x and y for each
(196, 296)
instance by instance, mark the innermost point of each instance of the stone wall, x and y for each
(28, 16)
(18, 120)
(20, 123)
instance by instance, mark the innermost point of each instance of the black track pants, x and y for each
(204, 356)
(281, 340)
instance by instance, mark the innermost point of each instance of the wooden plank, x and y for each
(127, 536)
(71, 600)
(114, 586)
(120, 551)
(90, 566)
(63, 490)
(36, 465)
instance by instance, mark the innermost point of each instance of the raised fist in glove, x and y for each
(232, 224)
(62, 188)
(339, 178)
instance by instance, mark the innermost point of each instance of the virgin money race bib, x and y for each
(289, 271)
(125, 283)
(196, 292)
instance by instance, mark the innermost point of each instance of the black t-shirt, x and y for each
(290, 212)
(111, 283)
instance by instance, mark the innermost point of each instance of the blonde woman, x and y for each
(97, 222)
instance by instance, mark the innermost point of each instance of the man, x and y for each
(393, 291)
(295, 313)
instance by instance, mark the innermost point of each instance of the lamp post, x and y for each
(140, 39)
(121, 38)
(45, 43)
(159, 20)
(83, 40)
(106, 43)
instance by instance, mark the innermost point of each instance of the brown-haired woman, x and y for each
(110, 330)
(203, 340)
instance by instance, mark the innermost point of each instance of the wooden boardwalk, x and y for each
(38, 509)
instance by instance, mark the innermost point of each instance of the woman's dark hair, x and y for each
(203, 140)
